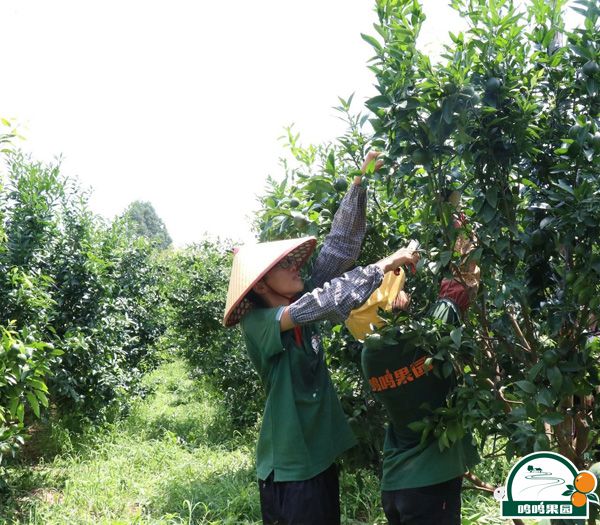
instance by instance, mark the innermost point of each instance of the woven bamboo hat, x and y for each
(250, 264)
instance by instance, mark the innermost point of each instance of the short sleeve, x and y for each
(262, 332)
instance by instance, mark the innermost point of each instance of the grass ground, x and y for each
(172, 460)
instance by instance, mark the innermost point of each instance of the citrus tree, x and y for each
(81, 303)
(509, 115)
(24, 360)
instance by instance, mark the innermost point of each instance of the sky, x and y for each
(182, 103)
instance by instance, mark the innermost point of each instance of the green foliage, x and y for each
(111, 313)
(69, 279)
(197, 291)
(146, 223)
(509, 115)
(23, 369)
(173, 453)
(174, 459)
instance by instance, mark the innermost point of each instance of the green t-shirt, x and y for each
(304, 428)
(400, 380)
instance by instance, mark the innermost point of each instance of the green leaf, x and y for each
(378, 102)
(455, 431)
(434, 267)
(530, 184)
(445, 258)
(564, 186)
(36, 383)
(42, 397)
(456, 336)
(447, 369)
(582, 51)
(373, 41)
(580, 10)
(488, 213)
(330, 163)
(475, 255)
(417, 426)
(447, 111)
(555, 377)
(527, 386)
(492, 197)
(13, 405)
(544, 397)
(520, 252)
(554, 418)
(33, 402)
(21, 412)
(478, 204)
(443, 441)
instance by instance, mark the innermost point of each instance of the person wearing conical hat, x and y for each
(303, 428)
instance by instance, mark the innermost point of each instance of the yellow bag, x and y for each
(360, 320)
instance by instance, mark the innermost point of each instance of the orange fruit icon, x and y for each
(585, 482)
(578, 499)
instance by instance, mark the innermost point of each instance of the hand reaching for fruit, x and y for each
(370, 165)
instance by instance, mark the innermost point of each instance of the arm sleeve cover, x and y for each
(337, 298)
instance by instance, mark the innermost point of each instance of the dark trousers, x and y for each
(314, 501)
(432, 505)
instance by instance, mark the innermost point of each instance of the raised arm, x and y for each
(336, 299)
(342, 245)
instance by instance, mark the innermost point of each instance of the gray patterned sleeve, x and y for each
(342, 245)
(337, 298)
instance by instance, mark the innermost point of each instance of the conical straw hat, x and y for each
(251, 263)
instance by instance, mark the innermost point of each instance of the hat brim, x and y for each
(301, 251)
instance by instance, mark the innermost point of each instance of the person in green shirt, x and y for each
(420, 484)
(303, 429)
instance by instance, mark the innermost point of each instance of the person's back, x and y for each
(409, 390)
(420, 484)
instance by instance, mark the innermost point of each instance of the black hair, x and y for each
(256, 299)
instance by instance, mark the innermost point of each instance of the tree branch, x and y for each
(499, 395)
(565, 445)
(518, 331)
(582, 431)
(479, 484)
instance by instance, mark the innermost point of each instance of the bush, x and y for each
(197, 293)
(509, 117)
(23, 370)
(70, 280)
